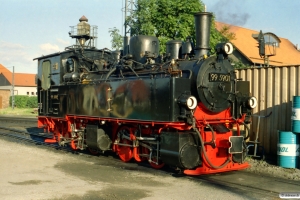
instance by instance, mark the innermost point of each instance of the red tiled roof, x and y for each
(286, 53)
(20, 79)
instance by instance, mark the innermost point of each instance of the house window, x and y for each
(27, 93)
(32, 93)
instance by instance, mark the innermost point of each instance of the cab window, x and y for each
(70, 65)
(46, 74)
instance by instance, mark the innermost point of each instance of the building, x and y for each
(279, 51)
(24, 84)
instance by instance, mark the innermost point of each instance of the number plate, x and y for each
(218, 77)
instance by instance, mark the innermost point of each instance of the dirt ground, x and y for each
(29, 172)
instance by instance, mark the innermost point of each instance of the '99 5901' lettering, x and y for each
(217, 77)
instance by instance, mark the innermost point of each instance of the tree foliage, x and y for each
(239, 64)
(227, 35)
(117, 39)
(168, 20)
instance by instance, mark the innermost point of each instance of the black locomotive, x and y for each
(183, 109)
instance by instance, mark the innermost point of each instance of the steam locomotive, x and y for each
(183, 109)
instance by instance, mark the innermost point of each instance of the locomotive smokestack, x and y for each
(202, 26)
(126, 40)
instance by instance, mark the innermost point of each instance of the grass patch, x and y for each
(17, 111)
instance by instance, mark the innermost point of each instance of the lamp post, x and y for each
(13, 89)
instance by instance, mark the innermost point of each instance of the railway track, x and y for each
(34, 136)
(249, 185)
(15, 119)
(24, 136)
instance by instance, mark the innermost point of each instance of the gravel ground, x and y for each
(30, 172)
(263, 167)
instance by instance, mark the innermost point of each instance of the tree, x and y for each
(238, 64)
(168, 20)
(117, 39)
(227, 35)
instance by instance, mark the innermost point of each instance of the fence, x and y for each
(274, 88)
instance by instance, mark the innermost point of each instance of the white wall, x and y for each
(30, 91)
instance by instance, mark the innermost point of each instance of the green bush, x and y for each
(32, 102)
(23, 101)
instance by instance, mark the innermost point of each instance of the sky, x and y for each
(32, 28)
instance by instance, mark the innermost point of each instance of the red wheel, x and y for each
(144, 152)
(73, 145)
(125, 152)
(156, 166)
(140, 153)
(93, 151)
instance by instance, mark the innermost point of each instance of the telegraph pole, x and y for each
(127, 13)
(13, 89)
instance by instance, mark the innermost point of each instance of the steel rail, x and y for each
(16, 119)
(13, 133)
